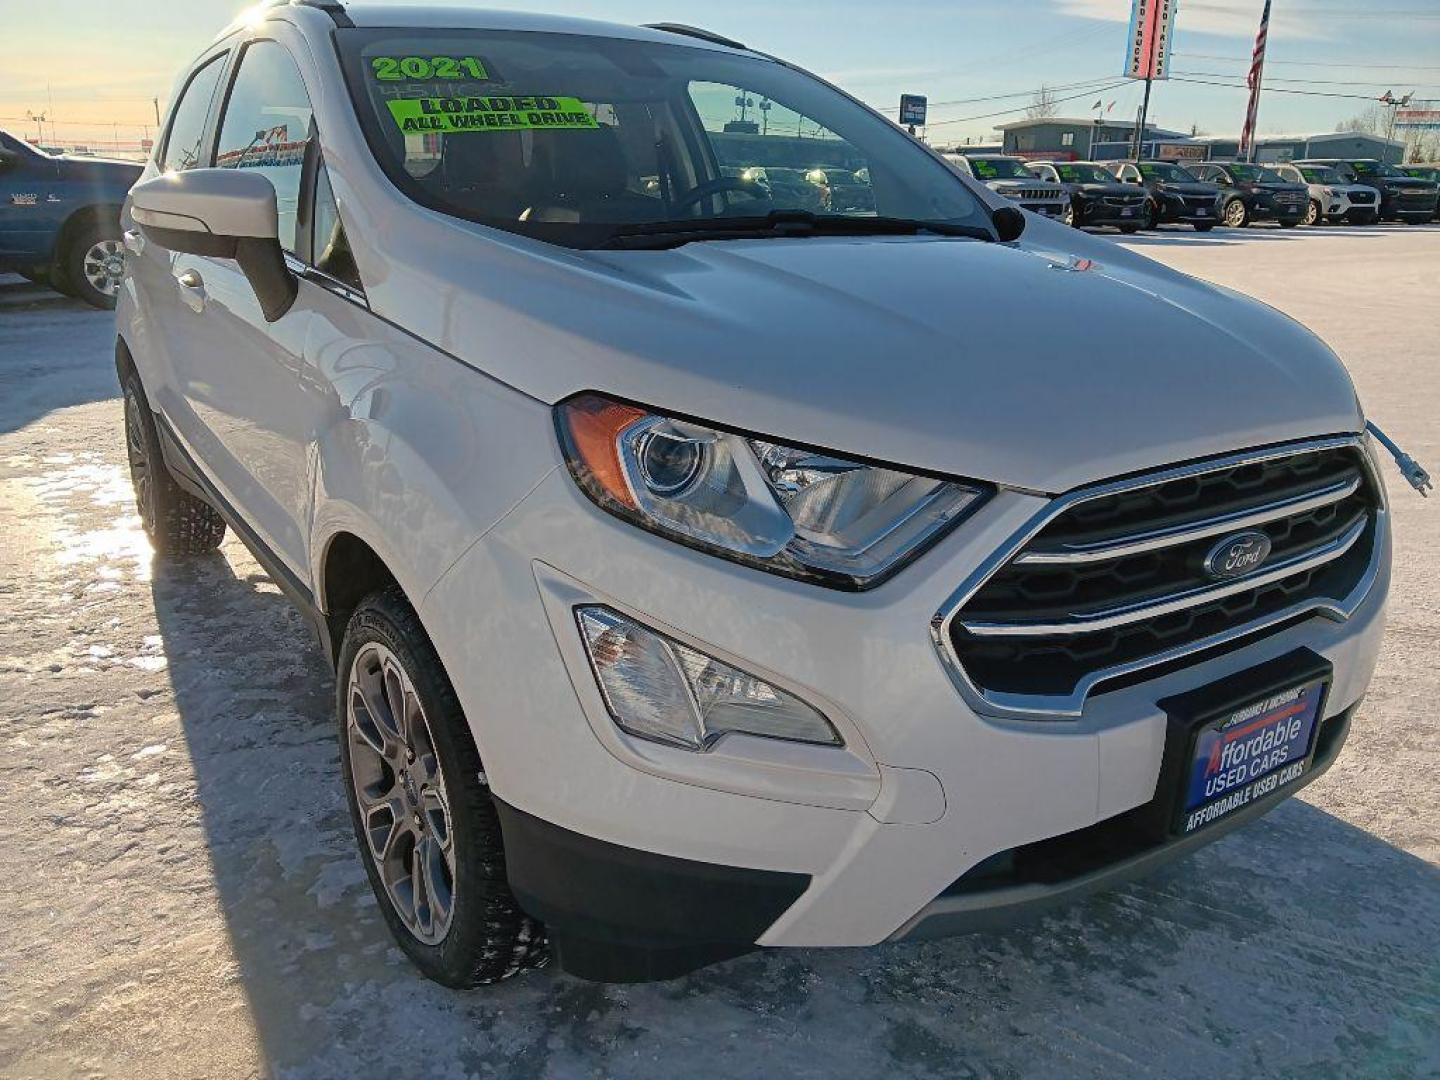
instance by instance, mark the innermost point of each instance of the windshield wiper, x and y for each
(652, 235)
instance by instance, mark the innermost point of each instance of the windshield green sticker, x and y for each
(460, 114)
(421, 68)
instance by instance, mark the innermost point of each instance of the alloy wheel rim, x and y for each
(1312, 214)
(104, 266)
(1068, 217)
(400, 790)
(141, 478)
(1235, 214)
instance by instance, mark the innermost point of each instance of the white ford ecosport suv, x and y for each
(703, 569)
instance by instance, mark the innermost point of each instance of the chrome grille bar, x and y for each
(1111, 618)
(1191, 531)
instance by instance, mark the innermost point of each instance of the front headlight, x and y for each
(803, 513)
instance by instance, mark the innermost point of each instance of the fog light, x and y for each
(656, 688)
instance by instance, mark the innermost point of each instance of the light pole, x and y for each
(39, 125)
(1395, 106)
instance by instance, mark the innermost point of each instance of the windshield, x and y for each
(1000, 169)
(1255, 173)
(1318, 174)
(1375, 168)
(1084, 174)
(573, 138)
(1171, 174)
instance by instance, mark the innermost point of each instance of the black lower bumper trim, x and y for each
(1031, 880)
(618, 914)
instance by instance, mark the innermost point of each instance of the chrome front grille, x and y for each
(1033, 194)
(1110, 580)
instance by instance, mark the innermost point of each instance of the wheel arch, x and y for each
(72, 226)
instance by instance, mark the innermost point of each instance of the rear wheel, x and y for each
(94, 264)
(176, 522)
(1235, 214)
(426, 824)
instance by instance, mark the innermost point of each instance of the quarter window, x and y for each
(187, 123)
(267, 127)
(329, 244)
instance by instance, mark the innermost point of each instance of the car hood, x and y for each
(1007, 363)
(1408, 183)
(1107, 189)
(1188, 188)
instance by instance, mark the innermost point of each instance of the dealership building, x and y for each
(1068, 139)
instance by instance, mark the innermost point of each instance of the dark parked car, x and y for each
(1096, 197)
(1402, 198)
(1254, 193)
(1175, 193)
(60, 219)
(1426, 171)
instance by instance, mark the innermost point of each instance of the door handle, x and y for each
(135, 241)
(192, 290)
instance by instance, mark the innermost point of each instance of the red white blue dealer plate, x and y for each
(1250, 753)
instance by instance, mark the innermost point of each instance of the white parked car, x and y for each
(1013, 178)
(1332, 197)
(702, 571)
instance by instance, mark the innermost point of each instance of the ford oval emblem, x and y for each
(1237, 555)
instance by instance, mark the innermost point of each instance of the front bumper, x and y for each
(924, 789)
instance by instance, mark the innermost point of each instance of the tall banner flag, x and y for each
(1148, 47)
(1257, 68)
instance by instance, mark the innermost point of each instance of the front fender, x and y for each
(416, 453)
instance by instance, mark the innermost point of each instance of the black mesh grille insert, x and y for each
(1055, 664)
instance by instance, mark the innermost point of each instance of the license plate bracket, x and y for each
(1240, 741)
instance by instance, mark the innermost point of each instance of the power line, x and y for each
(1023, 108)
(1018, 93)
(1310, 63)
(1314, 82)
(1276, 89)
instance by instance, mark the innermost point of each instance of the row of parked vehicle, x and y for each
(1133, 195)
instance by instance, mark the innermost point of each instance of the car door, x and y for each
(237, 373)
(31, 203)
(159, 312)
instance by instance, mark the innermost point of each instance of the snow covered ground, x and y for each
(180, 895)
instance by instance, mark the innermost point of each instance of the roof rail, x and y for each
(695, 32)
(334, 8)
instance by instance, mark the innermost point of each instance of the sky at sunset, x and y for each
(94, 67)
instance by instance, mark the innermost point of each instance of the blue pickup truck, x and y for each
(60, 219)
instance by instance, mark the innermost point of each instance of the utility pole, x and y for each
(1144, 113)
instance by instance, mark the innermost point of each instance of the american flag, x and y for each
(1257, 67)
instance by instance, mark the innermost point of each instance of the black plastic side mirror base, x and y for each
(1009, 223)
(261, 260)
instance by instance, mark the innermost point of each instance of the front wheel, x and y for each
(1313, 215)
(1236, 215)
(426, 824)
(1069, 217)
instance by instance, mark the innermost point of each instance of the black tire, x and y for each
(76, 264)
(1152, 217)
(488, 937)
(176, 522)
(1234, 219)
(1129, 230)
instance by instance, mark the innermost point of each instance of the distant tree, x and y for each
(1042, 105)
(1373, 121)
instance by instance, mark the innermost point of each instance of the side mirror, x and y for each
(226, 214)
(1009, 223)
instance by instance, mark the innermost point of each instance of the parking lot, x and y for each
(183, 895)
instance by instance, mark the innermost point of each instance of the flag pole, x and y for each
(1257, 71)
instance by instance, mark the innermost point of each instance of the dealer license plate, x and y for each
(1250, 753)
(1126, 211)
(1202, 212)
